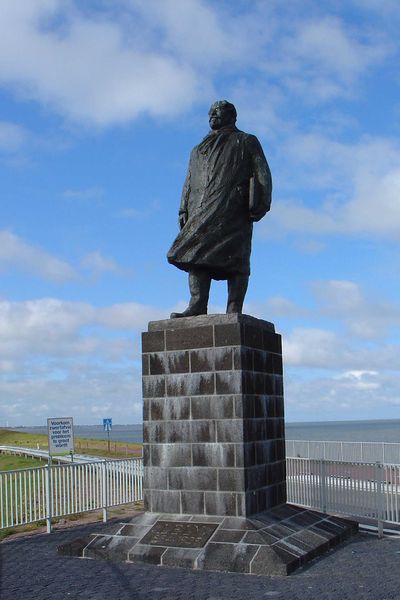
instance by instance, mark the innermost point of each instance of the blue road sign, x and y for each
(107, 424)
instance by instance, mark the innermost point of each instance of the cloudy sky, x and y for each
(100, 105)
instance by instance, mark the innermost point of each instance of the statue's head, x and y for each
(221, 113)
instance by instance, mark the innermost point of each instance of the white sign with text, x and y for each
(61, 435)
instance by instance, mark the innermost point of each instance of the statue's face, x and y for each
(219, 117)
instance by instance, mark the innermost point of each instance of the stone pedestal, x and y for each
(214, 457)
(213, 416)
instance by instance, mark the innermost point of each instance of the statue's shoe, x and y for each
(187, 313)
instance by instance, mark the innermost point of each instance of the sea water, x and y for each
(345, 431)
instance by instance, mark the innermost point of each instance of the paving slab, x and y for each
(364, 568)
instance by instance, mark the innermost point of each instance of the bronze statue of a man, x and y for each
(228, 186)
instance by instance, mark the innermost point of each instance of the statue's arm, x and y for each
(261, 185)
(183, 209)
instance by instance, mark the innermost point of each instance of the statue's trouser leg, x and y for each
(199, 286)
(237, 287)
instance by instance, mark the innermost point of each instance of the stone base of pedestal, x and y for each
(274, 542)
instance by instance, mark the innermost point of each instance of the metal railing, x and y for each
(368, 490)
(43, 493)
(365, 452)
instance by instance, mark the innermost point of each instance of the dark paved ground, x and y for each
(364, 568)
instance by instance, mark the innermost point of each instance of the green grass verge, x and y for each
(9, 462)
(82, 445)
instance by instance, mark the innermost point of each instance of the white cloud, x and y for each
(111, 64)
(361, 180)
(49, 326)
(328, 44)
(87, 399)
(360, 380)
(365, 316)
(352, 395)
(130, 315)
(17, 254)
(89, 69)
(280, 306)
(71, 357)
(12, 136)
(345, 328)
(98, 264)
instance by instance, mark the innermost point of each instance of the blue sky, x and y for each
(100, 105)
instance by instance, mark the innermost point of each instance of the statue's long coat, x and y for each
(220, 204)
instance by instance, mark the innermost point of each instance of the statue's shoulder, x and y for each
(247, 137)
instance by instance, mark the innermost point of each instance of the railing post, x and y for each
(379, 496)
(105, 482)
(322, 482)
(49, 492)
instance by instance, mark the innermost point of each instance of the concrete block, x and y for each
(212, 407)
(277, 364)
(231, 480)
(202, 360)
(249, 453)
(153, 386)
(253, 337)
(237, 357)
(272, 342)
(170, 409)
(228, 382)
(238, 406)
(260, 407)
(155, 478)
(203, 431)
(224, 359)
(193, 337)
(192, 478)
(273, 561)
(157, 363)
(181, 557)
(168, 501)
(192, 384)
(229, 536)
(220, 503)
(213, 455)
(166, 455)
(192, 502)
(228, 335)
(146, 455)
(177, 432)
(146, 409)
(227, 557)
(142, 553)
(230, 430)
(106, 547)
(153, 341)
(178, 362)
(145, 364)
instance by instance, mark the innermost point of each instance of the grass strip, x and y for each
(87, 446)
